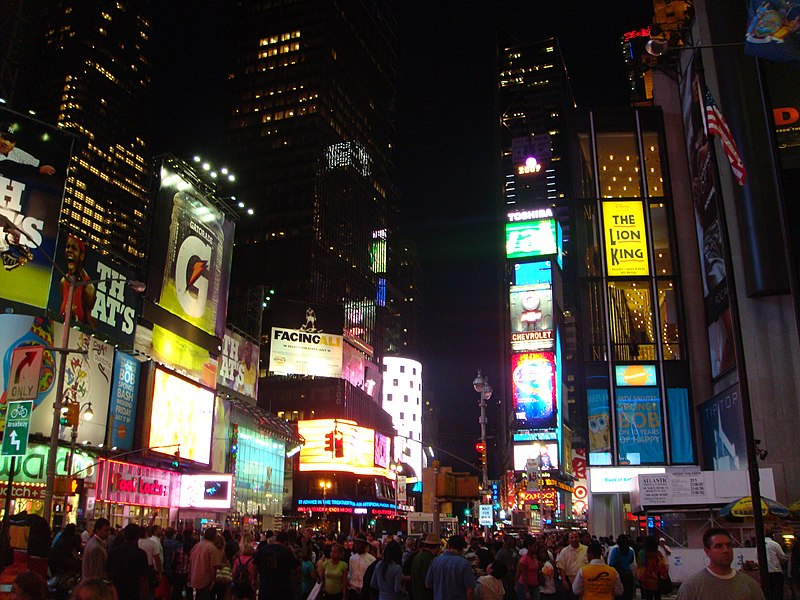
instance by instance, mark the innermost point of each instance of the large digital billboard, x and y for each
(306, 339)
(626, 239)
(534, 389)
(238, 367)
(635, 375)
(212, 491)
(181, 418)
(532, 238)
(124, 399)
(108, 307)
(640, 437)
(533, 272)
(33, 167)
(87, 377)
(541, 455)
(191, 251)
(531, 313)
(339, 445)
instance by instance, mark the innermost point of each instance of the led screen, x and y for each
(639, 429)
(534, 389)
(356, 447)
(533, 272)
(543, 455)
(531, 313)
(206, 491)
(381, 450)
(641, 375)
(531, 238)
(181, 418)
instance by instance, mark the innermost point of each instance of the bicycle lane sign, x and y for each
(15, 437)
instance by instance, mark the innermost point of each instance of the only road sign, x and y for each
(23, 378)
(18, 418)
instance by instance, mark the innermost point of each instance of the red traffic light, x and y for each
(480, 447)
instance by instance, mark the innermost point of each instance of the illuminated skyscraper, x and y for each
(92, 78)
(311, 133)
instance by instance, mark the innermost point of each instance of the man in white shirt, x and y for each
(569, 562)
(156, 534)
(776, 558)
(359, 561)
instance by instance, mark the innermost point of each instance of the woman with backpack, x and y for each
(652, 568)
(245, 574)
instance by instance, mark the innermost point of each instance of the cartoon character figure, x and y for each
(531, 312)
(599, 434)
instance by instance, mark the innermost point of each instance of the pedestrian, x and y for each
(527, 576)
(94, 588)
(180, 567)
(509, 555)
(450, 575)
(596, 580)
(169, 545)
(277, 568)
(333, 574)
(360, 560)
(570, 560)
(245, 575)
(664, 549)
(429, 548)
(388, 575)
(718, 581)
(223, 578)
(127, 566)
(652, 567)
(203, 562)
(776, 558)
(623, 559)
(29, 586)
(63, 560)
(490, 586)
(308, 573)
(95, 554)
(547, 582)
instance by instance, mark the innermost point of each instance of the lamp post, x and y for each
(73, 283)
(325, 486)
(88, 414)
(481, 385)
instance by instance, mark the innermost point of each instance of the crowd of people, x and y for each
(152, 563)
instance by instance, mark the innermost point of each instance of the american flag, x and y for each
(718, 126)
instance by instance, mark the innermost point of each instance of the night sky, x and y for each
(446, 153)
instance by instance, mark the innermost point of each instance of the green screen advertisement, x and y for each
(532, 238)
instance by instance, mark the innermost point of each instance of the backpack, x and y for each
(241, 579)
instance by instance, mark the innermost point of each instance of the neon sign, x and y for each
(531, 166)
(636, 33)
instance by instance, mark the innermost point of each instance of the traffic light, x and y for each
(71, 414)
(480, 448)
(76, 486)
(338, 444)
(176, 460)
(329, 441)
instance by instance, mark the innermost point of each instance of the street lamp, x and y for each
(73, 284)
(325, 486)
(396, 468)
(481, 385)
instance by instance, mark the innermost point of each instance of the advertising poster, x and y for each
(783, 90)
(212, 491)
(178, 354)
(626, 240)
(635, 375)
(238, 364)
(722, 427)
(531, 311)
(191, 250)
(108, 307)
(87, 378)
(533, 272)
(306, 339)
(705, 191)
(599, 414)
(534, 388)
(531, 238)
(33, 166)
(541, 455)
(580, 498)
(124, 397)
(381, 450)
(640, 437)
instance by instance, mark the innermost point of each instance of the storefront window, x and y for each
(259, 473)
(631, 320)
(586, 240)
(652, 164)
(668, 314)
(618, 161)
(662, 249)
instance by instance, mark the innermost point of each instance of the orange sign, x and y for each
(544, 497)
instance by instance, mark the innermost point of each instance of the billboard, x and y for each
(626, 239)
(306, 339)
(599, 427)
(33, 168)
(191, 249)
(87, 377)
(213, 491)
(353, 451)
(640, 434)
(635, 375)
(533, 272)
(722, 428)
(181, 418)
(381, 450)
(178, 353)
(238, 364)
(534, 389)
(532, 238)
(541, 455)
(124, 397)
(531, 313)
(108, 307)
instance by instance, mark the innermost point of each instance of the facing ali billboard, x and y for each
(108, 307)
(306, 339)
(190, 252)
(33, 166)
(534, 388)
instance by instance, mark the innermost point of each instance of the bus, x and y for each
(421, 524)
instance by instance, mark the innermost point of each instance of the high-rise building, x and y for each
(92, 78)
(311, 133)
(402, 398)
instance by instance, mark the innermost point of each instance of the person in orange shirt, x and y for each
(597, 581)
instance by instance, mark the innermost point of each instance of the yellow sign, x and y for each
(626, 240)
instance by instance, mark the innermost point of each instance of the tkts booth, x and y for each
(129, 493)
